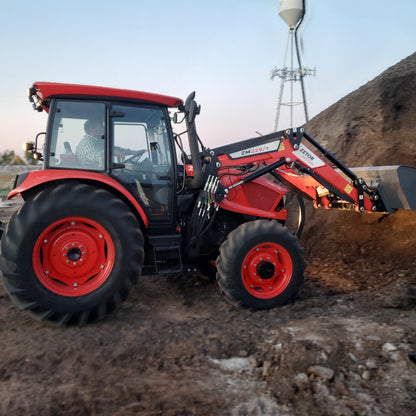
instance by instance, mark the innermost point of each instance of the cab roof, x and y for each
(47, 90)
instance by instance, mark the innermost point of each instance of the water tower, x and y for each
(292, 12)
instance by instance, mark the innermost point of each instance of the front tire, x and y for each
(260, 265)
(71, 254)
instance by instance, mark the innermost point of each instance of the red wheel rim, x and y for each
(73, 256)
(267, 270)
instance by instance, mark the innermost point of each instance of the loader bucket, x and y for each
(396, 185)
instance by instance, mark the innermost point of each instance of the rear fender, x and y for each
(34, 179)
(258, 198)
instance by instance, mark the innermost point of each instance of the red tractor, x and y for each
(112, 202)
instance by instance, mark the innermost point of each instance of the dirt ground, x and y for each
(347, 346)
(177, 348)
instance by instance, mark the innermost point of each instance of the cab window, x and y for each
(142, 156)
(78, 136)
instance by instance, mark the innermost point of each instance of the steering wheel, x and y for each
(139, 163)
(135, 158)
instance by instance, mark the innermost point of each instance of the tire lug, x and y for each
(102, 266)
(45, 240)
(75, 284)
(46, 271)
(101, 236)
(64, 254)
(74, 263)
(72, 222)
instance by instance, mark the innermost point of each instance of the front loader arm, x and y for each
(234, 172)
(329, 186)
(287, 156)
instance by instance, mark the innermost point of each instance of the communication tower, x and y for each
(292, 12)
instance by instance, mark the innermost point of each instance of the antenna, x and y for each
(292, 12)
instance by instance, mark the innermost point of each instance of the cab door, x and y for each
(142, 158)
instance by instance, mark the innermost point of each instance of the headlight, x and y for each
(28, 147)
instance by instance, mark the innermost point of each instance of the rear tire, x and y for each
(260, 265)
(71, 254)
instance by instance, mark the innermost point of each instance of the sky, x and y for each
(222, 49)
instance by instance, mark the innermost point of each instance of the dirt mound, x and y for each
(372, 126)
(347, 346)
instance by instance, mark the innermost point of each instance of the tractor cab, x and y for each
(106, 131)
(132, 145)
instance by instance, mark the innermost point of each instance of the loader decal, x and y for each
(308, 157)
(256, 150)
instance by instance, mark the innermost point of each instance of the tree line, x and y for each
(9, 157)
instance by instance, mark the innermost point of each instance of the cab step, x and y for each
(166, 253)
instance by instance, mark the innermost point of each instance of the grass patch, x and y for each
(6, 184)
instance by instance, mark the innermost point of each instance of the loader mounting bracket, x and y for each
(295, 136)
(360, 185)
